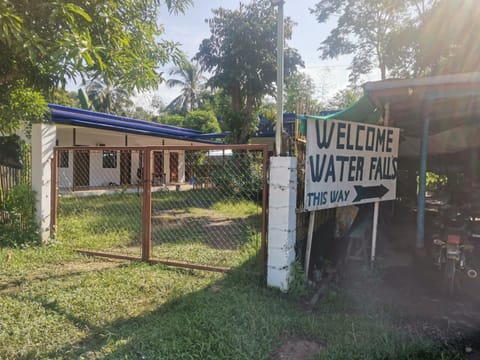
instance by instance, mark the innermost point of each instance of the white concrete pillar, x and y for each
(43, 142)
(281, 221)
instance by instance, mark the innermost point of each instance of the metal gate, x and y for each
(193, 206)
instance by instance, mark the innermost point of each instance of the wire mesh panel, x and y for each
(99, 199)
(210, 210)
(192, 206)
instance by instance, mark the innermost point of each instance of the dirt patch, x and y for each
(409, 288)
(422, 308)
(77, 266)
(297, 349)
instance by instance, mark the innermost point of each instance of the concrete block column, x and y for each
(43, 142)
(281, 221)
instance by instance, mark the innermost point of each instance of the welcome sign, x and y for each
(349, 163)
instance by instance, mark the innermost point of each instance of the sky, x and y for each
(190, 29)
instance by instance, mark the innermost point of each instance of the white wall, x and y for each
(99, 176)
(65, 175)
(181, 166)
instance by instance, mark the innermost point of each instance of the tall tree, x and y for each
(107, 97)
(344, 98)
(364, 29)
(189, 76)
(45, 43)
(241, 54)
(202, 120)
(300, 92)
(405, 49)
(63, 97)
(429, 44)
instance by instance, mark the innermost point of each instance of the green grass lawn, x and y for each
(55, 304)
(204, 226)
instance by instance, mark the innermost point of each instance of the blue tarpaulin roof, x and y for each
(91, 119)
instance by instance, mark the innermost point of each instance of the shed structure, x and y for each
(437, 115)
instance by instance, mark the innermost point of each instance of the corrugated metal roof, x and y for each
(91, 119)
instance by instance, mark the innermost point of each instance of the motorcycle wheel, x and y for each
(449, 277)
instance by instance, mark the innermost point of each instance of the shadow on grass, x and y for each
(218, 322)
(11, 285)
(236, 317)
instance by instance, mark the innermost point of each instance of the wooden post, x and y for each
(422, 179)
(374, 230)
(147, 206)
(311, 223)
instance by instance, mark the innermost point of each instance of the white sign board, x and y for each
(349, 163)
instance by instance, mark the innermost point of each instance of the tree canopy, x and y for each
(344, 98)
(406, 38)
(364, 29)
(442, 38)
(202, 120)
(189, 76)
(107, 97)
(241, 55)
(300, 91)
(43, 44)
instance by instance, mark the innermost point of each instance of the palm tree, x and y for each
(190, 78)
(106, 97)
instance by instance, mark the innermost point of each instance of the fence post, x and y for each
(43, 142)
(264, 207)
(147, 206)
(54, 194)
(281, 221)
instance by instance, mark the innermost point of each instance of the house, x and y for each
(71, 127)
(77, 127)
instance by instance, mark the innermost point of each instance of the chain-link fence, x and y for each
(100, 199)
(191, 206)
(214, 217)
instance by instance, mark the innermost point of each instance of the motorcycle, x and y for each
(452, 248)
(474, 225)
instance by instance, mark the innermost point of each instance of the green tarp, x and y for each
(362, 111)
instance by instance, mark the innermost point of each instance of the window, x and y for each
(63, 159)
(109, 159)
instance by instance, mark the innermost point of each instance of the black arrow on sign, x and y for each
(369, 192)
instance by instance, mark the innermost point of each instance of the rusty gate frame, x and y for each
(146, 236)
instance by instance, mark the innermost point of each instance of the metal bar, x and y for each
(422, 181)
(107, 255)
(54, 194)
(166, 147)
(153, 261)
(189, 266)
(280, 65)
(147, 207)
(264, 208)
(374, 230)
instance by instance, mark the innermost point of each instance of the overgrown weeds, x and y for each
(18, 225)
